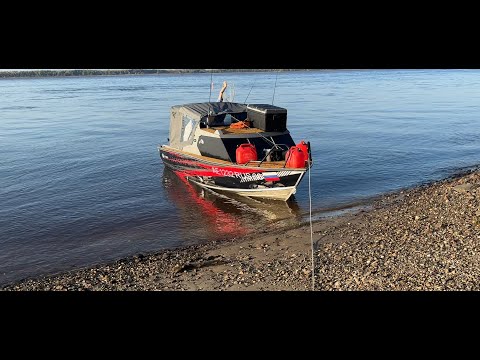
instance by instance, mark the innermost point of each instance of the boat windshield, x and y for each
(224, 119)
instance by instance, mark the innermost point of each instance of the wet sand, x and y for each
(426, 238)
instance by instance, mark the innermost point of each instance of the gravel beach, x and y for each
(426, 238)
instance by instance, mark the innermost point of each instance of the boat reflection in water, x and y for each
(213, 215)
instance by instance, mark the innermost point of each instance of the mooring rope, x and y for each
(311, 226)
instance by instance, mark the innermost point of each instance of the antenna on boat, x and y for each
(276, 77)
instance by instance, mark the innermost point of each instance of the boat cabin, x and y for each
(207, 129)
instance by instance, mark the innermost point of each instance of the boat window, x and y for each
(188, 128)
(217, 120)
(223, 119)
(239, 117)
(233, 118)
(228, 120)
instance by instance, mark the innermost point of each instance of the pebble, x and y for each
(386, 248)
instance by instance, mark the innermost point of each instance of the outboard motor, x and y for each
(275, 154)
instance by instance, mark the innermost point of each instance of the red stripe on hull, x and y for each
(207, 169)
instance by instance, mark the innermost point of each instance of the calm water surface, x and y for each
(82, 182)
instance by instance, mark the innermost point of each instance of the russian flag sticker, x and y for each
(271, 177)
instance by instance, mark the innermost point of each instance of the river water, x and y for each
(82, 182)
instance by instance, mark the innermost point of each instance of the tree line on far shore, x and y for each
(100, 72)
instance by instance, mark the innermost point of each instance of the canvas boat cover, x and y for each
(184, 119)
(200, 110)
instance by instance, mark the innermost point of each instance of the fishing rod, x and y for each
(210, 96)
(254, 81)
(276, 77)
(211, 85)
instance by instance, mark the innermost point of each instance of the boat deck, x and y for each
(229, 130)
(265, 164)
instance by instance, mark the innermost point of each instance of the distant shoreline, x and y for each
(89, 72)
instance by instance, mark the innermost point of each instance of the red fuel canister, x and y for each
(246, 153)
(295, 158)
(302, 145)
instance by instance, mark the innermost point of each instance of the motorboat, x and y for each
(238, 148)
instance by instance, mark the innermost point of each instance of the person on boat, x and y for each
(222, 90)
